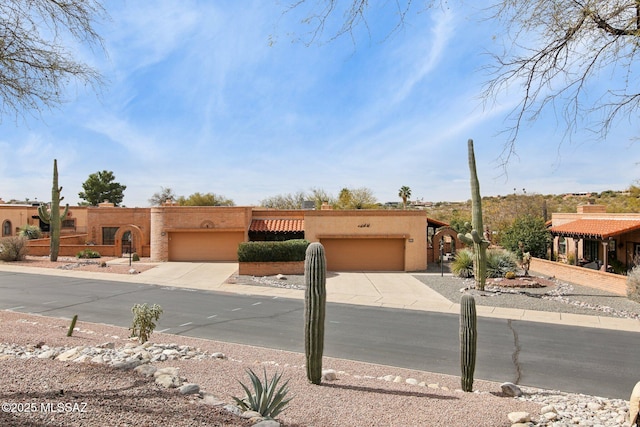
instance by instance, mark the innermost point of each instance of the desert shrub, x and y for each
(571, 259)
(13, 248)
(285, 251)
(633, 284)
(499, 262)
(462, 264)
(135, 257)
(88, 253)
(30, 232)
(266, 398)
(144, 318)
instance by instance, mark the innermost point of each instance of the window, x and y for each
(6, 228)
(562, 246)
(590, 250)
(69, 223)
(109, 235)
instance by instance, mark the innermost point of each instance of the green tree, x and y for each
(100, 187)
(208, 199)
(160, 198)
(404, 193)
(356, 198)
(527, 234)
(35, 64)
(554, 53)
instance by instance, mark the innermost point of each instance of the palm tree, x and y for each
(405, 194)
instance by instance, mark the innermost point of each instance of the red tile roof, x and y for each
(277, 225)
(598, 228)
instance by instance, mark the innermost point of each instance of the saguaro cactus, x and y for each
(53, 216)
(315, 278)
(475, 237)
(468, 339)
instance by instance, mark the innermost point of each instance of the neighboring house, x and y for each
(593, 238)
(376, 240)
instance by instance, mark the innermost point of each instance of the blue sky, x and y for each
(224, 97)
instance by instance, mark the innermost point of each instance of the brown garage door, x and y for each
(204, 246)
(364, 254)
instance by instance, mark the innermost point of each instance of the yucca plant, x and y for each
(266, 398)
(462, 264)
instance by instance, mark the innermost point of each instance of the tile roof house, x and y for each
(594, 238)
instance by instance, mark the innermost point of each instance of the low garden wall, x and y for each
(614, 283)
(270, 268)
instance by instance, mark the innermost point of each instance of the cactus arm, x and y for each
(468, 341)
(44, 214)
(315, 275)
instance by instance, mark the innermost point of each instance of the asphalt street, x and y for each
(592, 361)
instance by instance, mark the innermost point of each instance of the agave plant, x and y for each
(267, 398)
(499, 262)
(462, 265)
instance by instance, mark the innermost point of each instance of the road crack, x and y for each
(516, 353)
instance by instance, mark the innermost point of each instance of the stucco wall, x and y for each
(165, 219)
(410, 225)
(609, 282)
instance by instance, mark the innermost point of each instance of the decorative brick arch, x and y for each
(137, 237)
(456, 244)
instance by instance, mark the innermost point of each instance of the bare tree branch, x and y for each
(35, 66)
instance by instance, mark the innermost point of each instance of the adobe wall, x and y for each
(189, 218)
(270, 268)
(410, 225)
(17, 215)
(99, 217)
(614, 283)
(278, 214)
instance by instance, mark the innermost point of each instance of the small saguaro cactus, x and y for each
(53, 216)
(468, 339)
(72, 326)
(475, 237)
(315, 278)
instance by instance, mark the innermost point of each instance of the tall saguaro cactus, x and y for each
(468, 339)
(475, 237)
(53, 216)
(315, 278)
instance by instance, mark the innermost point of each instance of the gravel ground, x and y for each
(106, 396)
(555, 296)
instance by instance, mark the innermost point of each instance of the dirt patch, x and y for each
(111, 264)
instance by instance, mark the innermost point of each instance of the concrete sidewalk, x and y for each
(388, 289)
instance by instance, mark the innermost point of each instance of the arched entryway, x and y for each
(448, 237)
(128, 239)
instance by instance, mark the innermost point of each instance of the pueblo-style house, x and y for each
(593, 238)
(366, 240)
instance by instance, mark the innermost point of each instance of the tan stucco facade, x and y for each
(355, 240)
(378, 226)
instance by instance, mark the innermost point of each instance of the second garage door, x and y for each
(347, 254)
(204, 246)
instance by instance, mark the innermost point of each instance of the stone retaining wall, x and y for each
(614, 283)
(270, 268)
